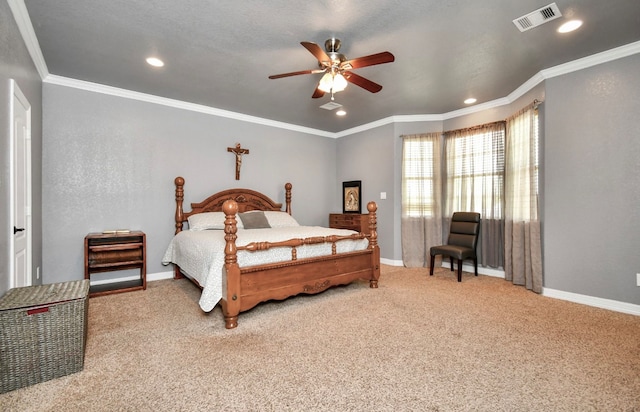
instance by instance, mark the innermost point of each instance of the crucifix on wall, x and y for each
(238, 151)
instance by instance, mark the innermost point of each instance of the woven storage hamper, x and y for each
(43, 331)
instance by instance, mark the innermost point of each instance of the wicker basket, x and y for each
(43, 331)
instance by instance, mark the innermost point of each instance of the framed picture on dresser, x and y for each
(352, 196)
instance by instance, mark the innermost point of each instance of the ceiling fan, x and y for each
(337, 69)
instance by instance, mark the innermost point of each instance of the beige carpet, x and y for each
(415, 344)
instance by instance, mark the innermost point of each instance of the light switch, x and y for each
(383, 195)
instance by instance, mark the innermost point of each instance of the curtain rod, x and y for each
(429, 134)
(481, 126)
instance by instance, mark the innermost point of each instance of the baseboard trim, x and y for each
(466, 268)
(391, 262)
(160, 276)
(609, 304)
(150, 278)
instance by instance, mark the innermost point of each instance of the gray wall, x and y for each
(15, 63)
(365, 156)
(110, 162)
(592, 190)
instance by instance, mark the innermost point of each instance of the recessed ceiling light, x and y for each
(155, 62)
(470, 100)
(341, 112)
(571, 25)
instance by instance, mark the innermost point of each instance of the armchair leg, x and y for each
(433, 259)
(459, 270)
(475, 265)
(451, 260)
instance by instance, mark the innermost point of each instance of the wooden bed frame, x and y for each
(245, 287)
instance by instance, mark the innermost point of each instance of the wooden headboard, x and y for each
(247, 199)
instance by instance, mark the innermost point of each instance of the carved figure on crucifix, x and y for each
(238, 151)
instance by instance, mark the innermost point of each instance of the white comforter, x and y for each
(200, 254)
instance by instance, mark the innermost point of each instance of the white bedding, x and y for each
(200, 254)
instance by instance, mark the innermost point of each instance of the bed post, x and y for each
(231, 275)
(179, 181)
(179, 217)
(287, 197)
(373, 244)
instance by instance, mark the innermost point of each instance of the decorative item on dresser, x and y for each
(352, 221)
(115, 250)
(239, 267)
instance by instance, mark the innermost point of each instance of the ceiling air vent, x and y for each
(538, 17)
(330, 106)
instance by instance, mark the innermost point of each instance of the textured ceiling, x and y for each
(220, 53)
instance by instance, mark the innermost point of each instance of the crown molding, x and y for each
(21, 16)
(364, 127)
(178, 104)
(476, 108)
(593, 60)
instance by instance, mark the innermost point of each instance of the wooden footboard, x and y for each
(244, 288)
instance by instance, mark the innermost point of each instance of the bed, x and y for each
(239, 263)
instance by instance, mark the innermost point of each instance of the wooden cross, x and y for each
(238, 151)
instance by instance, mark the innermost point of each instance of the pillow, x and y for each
(209, 220)
(254, 220)
(280, 219)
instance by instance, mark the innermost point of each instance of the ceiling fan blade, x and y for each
(317, 93)
(371, 60)
(362, 82)
(278, 76)
(317, 51)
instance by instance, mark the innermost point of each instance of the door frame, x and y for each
(16, 94)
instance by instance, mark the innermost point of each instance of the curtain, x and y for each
(475, 164)
(523, 250)
(421, 220)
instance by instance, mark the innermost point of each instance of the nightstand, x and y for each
(353, 221)
(108, 252)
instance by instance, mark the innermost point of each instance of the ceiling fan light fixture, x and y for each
(339, 83)
(332, 83)
(326, 83)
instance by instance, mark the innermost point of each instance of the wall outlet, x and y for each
(38, 272)
(383, 195)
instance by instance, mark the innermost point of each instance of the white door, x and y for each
(20, 181)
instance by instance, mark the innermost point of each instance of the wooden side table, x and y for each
(108, 252)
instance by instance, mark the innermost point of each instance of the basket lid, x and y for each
(39, 295)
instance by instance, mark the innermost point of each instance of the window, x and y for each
(475, 170)
(420, 175)
(523, 166)
(484, 169)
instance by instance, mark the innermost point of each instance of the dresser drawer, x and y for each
(351, 221)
